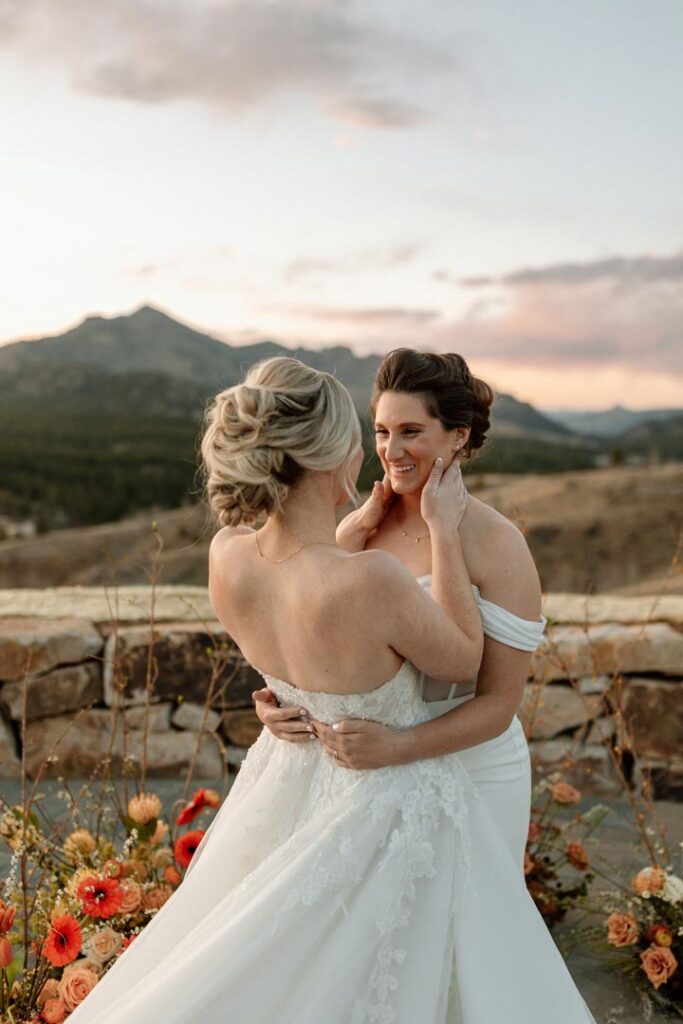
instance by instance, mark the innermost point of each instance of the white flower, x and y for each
(673, 889)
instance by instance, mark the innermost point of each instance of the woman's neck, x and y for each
(409, 506)
(307, 515)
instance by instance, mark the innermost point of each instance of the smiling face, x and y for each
(408, 439)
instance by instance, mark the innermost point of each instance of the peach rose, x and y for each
(564, 793)
(103, 944)
(649, 880)
(659, 965)
(132, 896)
(83, 964)
(144, 807)
(155, 898)
(577, 856)
(54, 1011)
(112, 868)
(622, 930)
(50, 990)
(75, 985)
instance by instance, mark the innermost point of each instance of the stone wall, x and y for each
(610, 669)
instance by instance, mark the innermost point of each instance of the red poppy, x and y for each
(202, 798)
(63, 943)
(186, 845)
(100, 897)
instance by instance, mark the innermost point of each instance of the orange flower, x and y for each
(100, 897)
(155, 898)
(126, 943)
(7, 915)
(659, 965)
(5, 952)
(54, 1011)
(112, 868)
(622, 930)
(659, 934)
(185, 846)
(63, 943)
(202, 798)
(528, 863)
(649, 880)
(173, 876)
(564, 793)
(577, 856)
(131, 896)
(534, 832)
(50, 990)
(76, 984)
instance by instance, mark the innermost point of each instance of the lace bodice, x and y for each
(398, 702)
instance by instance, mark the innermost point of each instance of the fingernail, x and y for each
(312, 737)
(303, 712)
(309, 728)
(335, 726)
(439, 461)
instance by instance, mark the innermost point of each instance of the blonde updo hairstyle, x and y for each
(260, 437)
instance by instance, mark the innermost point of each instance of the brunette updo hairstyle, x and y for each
(444, 382)
(260, 437)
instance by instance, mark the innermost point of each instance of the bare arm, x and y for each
(500, 683)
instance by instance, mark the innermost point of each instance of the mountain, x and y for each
(114, 362)
(610, 422)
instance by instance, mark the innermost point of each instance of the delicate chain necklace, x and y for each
(276, 561)
(417, 540)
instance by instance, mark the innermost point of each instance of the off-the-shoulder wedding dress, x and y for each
(323, 895)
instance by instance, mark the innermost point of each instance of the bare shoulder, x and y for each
(223, 543)
(505, 569)
(375, 569)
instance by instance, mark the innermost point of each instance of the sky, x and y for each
(497, 179)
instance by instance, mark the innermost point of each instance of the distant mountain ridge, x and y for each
(79, 365)
(610, 422)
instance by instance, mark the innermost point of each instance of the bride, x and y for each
(321, 893)
(425, 405)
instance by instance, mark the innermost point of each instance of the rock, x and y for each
(601, 730)
(588, 767)
(183, 664)
(158, 720)
(10, 762)
(571, 652)
(241, 728)
(667, 779)
(594, 684)
(596, 608)
(171, 602)
(63, 689)
(551, 710)
(235, 755)
(654, 709)
(38, 645)
(191, 716)
(88, 741)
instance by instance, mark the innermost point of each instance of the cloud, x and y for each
(366, 261)
(627, 270)
(382, 317)
(229, 53)
(621, 311)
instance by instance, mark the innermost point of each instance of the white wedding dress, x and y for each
(323, 895)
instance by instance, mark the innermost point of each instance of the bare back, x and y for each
(308, 620)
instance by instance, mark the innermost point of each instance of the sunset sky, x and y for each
(499, 179)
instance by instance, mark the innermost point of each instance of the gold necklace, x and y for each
(417, 540)
(276, 561)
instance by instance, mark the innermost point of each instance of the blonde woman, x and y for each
(321, 893)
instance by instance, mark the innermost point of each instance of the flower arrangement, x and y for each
(556, 865)
(80, 902)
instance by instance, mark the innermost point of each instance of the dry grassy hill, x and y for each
(602, 530)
